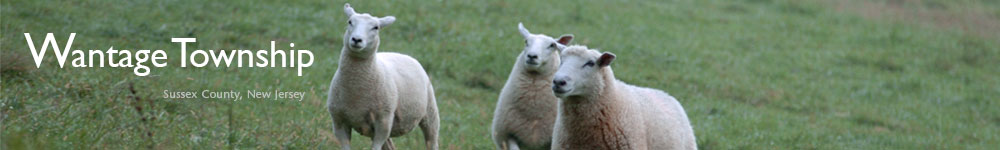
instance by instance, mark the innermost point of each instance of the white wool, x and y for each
(526, 108)
(597, 111)
(379, 95)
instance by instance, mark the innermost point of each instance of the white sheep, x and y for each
(597, 111)
(380, 95)
(526, 109)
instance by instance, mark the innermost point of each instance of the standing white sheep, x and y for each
(597, 111)
(526, 108)
(380, 95)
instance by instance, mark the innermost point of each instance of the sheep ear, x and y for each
(605, 59)
(524, 31)
(385, 21)
(565, 39)
(349, 10)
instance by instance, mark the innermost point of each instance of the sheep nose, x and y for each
(532, 56)
(559, 82)
(355, 40)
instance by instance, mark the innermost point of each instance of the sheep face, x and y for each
(540, 52)
(582, 72)
(362, 29)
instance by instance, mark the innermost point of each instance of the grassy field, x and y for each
(752, 74)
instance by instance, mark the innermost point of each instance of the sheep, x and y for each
(526, 108)
(597, 111)
(379, 94)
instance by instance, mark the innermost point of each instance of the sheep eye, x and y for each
(525, 42)
(350, 23)
(589, 63)
(375, 28)
(553, 45)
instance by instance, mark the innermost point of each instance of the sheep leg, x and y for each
(499, 139)
(430, 125)
(343, 133)
(383, 127)
(388, 145)
(512, 144)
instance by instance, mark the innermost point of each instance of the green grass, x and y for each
(752, 74)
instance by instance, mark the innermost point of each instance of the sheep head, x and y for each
(541, 52)
(362, 29)
(583, 72)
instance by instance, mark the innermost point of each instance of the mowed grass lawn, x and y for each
(751, 74)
